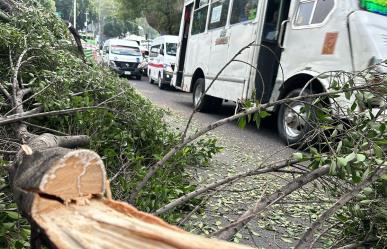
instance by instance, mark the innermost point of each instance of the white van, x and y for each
(162, 59)
(305, 37)
(122, 56)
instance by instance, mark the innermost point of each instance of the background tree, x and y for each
(66, 11)
(164, 16)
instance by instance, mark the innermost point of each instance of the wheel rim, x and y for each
(295, 120)
(198, 94)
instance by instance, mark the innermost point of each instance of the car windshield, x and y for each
(124, 50)
(375, 6)
(171, 49)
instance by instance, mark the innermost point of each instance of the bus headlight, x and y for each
(168, 68)
(112, 64)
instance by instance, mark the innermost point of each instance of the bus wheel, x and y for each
(160, 83)
(150, 79)
(207, 103)
(293, 121)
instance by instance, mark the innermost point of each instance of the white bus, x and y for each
(162, 58)
(308, 37)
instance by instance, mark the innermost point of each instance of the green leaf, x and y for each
(378, 151)
(350, 157)
(264, 114)
(341, 162)
(242, 123)
(384, 177)
(13, 215)
(354, 106)
(339, 146)
(360, 158)
(333, 167)
(287, 240)
(298, 156)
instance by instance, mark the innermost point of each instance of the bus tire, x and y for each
(292, 123)
(150, 79)
(160, 83)
(208, 103)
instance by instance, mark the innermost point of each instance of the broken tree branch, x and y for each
(229, 231)
(21, 117)
(62, 194)
(270, 168)
(5, 92)
(152, 170)
(307, 238)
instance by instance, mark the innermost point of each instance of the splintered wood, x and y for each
(66, 200)
(102, 224)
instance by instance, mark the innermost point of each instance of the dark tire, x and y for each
(150, 79)
(292, 122)
(160, 83)
(208, 103)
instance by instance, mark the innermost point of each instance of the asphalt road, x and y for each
(244, 149)
(260, 142)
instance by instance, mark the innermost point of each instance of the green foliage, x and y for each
(164, 16)
(352, 141)
(65, 10)
(127, 130)
(14, 231)
(115, 27)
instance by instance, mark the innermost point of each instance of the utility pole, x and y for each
(87, 14)
(99, 21)
(75, 14)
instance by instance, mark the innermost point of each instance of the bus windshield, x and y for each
(123, 50)
(375, 6)
(171, 49)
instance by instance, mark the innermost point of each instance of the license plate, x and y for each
(127, 73)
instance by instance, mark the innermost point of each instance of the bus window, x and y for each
(323, 8)
(154, 51)
(200, 3)
(199, 19)
(219, 12)
(304, 15)
(271, 28)
(320, 10)
(244, 10)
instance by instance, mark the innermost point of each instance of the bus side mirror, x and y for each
(162, 51)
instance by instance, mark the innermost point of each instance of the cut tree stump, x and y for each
(63, 194)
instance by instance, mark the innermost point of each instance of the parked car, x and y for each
(122, 56)
(162, 60)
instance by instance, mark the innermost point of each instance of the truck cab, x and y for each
(123, 57)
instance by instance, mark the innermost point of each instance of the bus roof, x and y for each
(165, 38)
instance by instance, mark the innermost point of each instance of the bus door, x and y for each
(220, 38)
(243, 22)
(183, 44)
(276, 16)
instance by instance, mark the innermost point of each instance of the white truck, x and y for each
(123, 57)
(305, 37)
(162, 59)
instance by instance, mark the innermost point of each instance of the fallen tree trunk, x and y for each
(62, 192)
